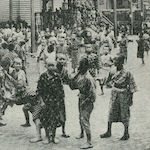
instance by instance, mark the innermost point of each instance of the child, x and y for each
(25, 97)
(106, 62)
(7, 88)
(140, 50)
(63, 72)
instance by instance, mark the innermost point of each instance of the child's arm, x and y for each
(17, 83)
(41, 101)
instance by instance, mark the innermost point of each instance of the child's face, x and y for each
(6, 67)
(17, 65)
(61, 59)
(88, 49)
(51, 67)
(18, 30)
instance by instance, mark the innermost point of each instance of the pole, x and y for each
(142, 14)
(98, 6)
(32, 26)
(115, 19)
(131, 11)
(10, 11)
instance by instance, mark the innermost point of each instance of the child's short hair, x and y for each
(22, 43)
(4, 45)
(11, 47)
(5, 61)
(50, 48)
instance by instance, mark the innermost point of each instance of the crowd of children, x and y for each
(88, 50)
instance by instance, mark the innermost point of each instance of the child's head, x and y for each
(141, 35)
(88, 48)
(50, 65)
(83, 65)
(5, 63)
(11, 47)
(21, 43)
(4, 45)
(106, 52)
(17, 63)
(61, 59)
(50, 48)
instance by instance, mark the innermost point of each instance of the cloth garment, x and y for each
(50, 88)
(140, 50)
(121, 96)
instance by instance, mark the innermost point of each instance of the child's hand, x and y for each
(43, 105)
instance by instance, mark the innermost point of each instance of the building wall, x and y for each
(25, 9)
(4, 10)
(108, 4)
(15, 9)
(105, 4)
(19, 8)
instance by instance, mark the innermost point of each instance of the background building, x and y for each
(12, 9)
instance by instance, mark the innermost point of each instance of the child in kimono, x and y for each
(26, 97)
(123, 87)
(7, 88)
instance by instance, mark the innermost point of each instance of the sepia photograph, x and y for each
(74, 74)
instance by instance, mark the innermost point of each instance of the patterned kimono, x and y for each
(2, 78)
(25, 96)
(50, 88)
(7, 90)
(93, 64)
(30, 101)
(123, 86)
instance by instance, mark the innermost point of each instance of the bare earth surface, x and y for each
(15, 137)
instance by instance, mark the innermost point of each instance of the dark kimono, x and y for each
(140, 50)
(121, 96)
(50, 88)
(123, 47)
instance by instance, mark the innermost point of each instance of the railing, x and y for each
(107, 21)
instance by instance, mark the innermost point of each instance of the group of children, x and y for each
(14, 46)
(55, 51)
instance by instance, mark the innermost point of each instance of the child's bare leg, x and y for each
(38, 132)
(102, 89)
(4, 108)
(2, 123)
(63, 131)
(54, 140)
(101, 84)
(26, 114)
(47, 140)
